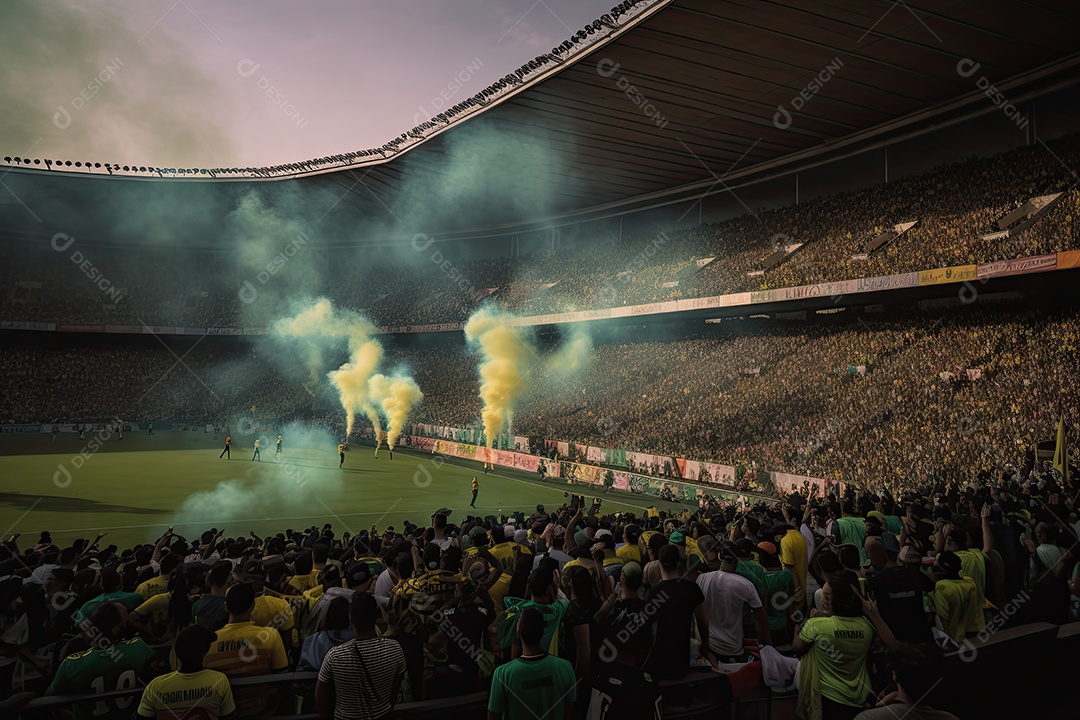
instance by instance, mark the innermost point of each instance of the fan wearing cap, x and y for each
(357, 578)
(243, 649)
(726, 593)
(956, 600)
(899, 588)
(604, 542)
(192, 691)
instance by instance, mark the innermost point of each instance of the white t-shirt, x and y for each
(384, 585)
(40, 573)
(808, 534)
(725, 595)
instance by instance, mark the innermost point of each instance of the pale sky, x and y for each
(207, 83)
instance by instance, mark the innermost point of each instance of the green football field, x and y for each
(135, 488)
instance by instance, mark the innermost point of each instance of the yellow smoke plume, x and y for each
(506, 357)
(319, 326)
(351, 381)
(396, 397)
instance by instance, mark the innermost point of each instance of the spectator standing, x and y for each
(535, 684)
(359, 679)
(243, 649)
(833, 651)
(677, 602)
(726, 593)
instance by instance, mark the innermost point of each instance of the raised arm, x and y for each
(988, 537)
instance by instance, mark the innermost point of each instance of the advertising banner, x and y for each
(887, 282)
(1016, 266)
(940, 276)
(26, 325)
(786, 483)
(20, 429)
(1068, 259)
(81, 328)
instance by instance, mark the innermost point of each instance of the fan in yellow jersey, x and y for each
(160, 619)
(192, 692)
(503, 549)
(269, 610)
(244, 649)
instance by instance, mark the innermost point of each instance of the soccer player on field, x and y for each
(228, 442)
(256, 456)
(475, 489)
(278, 452)
(341, 454)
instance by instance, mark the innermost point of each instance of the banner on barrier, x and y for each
(20, 429)
(1068, 259)
(1016, 266)
(940, 276)
(786, 483)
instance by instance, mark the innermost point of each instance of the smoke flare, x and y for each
(396, 396)
(318, 326)
(506, 357)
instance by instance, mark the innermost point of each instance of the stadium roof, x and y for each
(674, 98)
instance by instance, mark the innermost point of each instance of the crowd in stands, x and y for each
(787, 397)
(956, 207)
(768, 396)
(97, 379)
(858, 595)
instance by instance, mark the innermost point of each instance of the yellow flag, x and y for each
(1061, 455)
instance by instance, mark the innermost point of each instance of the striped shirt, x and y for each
(362, 674)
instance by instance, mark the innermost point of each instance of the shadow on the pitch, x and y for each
(71, 505)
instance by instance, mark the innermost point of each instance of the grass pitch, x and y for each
(135, 488)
